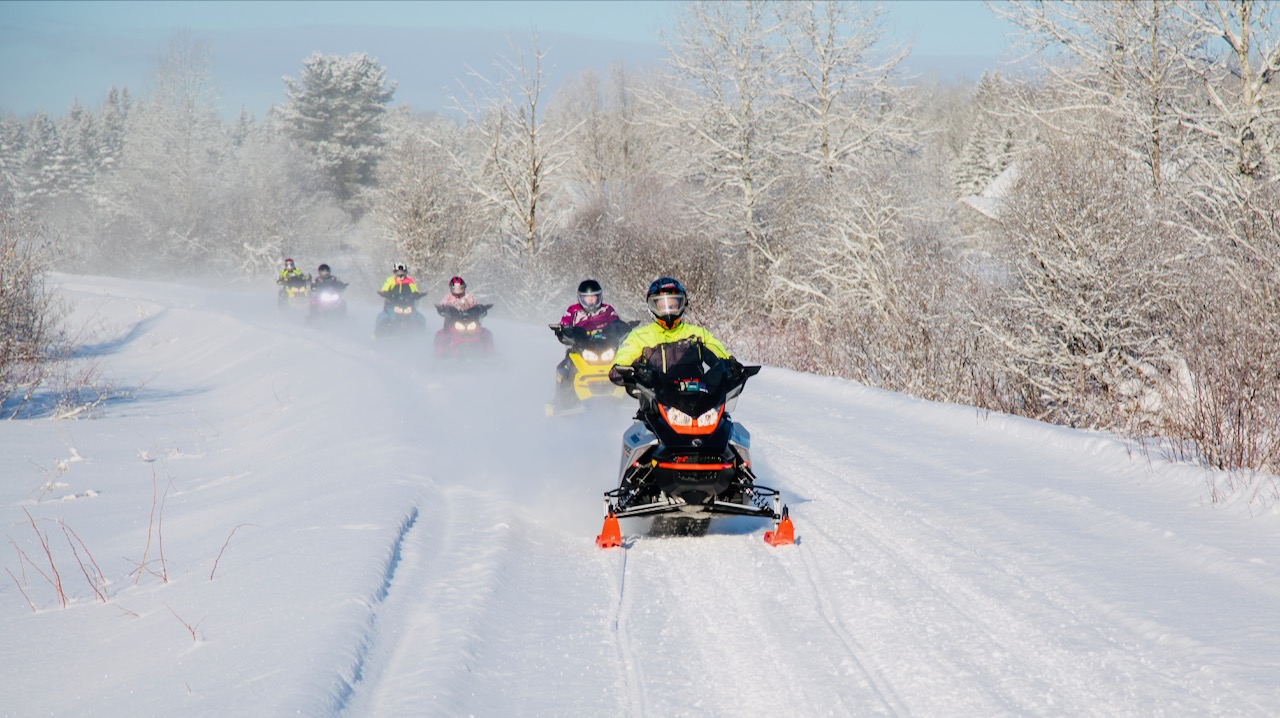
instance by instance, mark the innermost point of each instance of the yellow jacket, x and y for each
(642, 341)
(399, 283)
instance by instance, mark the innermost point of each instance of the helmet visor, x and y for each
(667, 305)
(589, 301)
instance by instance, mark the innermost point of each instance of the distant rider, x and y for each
(325, 279)
(668, 341)
(397, 285)
(290, 274)
(591, 315)
(457, 296)
(399, 282)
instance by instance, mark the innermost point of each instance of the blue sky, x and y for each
(54, 52)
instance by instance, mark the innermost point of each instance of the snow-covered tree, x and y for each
(841, 83)
(523, 151)
(991, 143)
(42, 164)
(719, 117)
(335, 111)
(433, 220)
(167, 186)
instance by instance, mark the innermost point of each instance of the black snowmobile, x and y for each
(685, 461)
(399, 315)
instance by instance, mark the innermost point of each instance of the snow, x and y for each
(331, 528)
(990, 202)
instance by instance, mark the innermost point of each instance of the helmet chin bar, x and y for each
(666, 322)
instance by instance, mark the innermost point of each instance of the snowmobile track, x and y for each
(351, 683)
(628, 664)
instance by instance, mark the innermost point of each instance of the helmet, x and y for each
(288, 263)
(457, 287)
(667, 301)
(400, 267)
(324, 269)
(590, 296)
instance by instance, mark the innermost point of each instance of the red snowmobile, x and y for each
(462, 335)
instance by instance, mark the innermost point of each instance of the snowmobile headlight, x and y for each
(471, 326)
(404, 310)
(460, 326)
(710, 417)
(675, 417)
(606, 355)
(590, 356)
(705, 424)
(328, 297)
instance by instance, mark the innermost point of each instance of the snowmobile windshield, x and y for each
(693, 387)
(667, 305)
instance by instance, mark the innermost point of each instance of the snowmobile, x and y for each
(462, 335)
(399, 315)
(294, 292)
(684, 460)
(590, 355)
(327, 302)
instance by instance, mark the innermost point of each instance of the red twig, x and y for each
(224, 548)
(19, 585)
(102, 579)
(190, 629)
(92, 584)
(164, 569)
(44, 543)
(150, 525)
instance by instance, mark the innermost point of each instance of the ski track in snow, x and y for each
(946, 565)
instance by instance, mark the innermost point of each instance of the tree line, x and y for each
(1091, 240)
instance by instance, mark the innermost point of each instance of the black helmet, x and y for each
(323, 268)
(590, 296)
(667, 301)
(457, 286)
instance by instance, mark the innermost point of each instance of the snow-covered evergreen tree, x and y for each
(42, 162)
(12, 135)
(335, 112)
(990, 146)
(111, 123)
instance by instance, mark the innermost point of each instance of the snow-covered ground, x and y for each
(284, 520)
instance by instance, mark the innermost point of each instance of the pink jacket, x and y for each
(576, 316)
(462, 303)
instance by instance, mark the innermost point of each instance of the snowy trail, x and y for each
(417, 540)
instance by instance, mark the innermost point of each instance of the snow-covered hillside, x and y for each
(333, 529)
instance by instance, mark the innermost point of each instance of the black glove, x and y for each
(734, 370)
(643, 374)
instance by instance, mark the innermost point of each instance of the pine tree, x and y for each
(335, 112)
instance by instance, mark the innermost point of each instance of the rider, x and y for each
(669, 340)
(325, 279)
(290, 274)
(591, 315)
(457, 296)
(399, 283)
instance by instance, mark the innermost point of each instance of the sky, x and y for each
(273, 518)
(54, 52)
